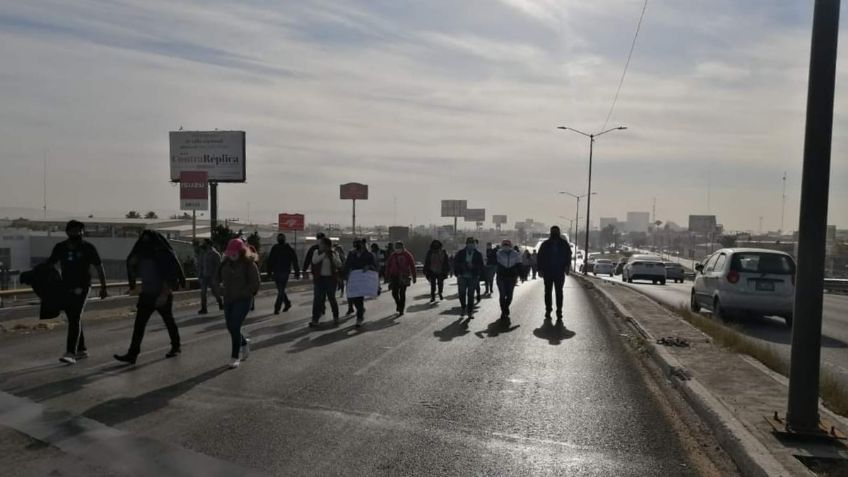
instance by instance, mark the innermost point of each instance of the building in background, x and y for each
(638, 221)
(607, 221)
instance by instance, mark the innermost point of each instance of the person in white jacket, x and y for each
(509, 269)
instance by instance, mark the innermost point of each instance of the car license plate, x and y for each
(764, 286)
(649, 265)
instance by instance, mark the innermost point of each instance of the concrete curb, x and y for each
(749, 454)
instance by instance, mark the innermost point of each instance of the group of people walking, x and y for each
(234, 280)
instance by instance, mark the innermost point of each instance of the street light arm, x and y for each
(618, 128)
(566, 128)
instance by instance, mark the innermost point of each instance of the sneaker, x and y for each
(441, 297)
(350, 311)
(202, 311)
(125, 358)
(235, 364)
(358, 324)
(276, 311)
(173, 353)
(68, 358)
(313, 324)
(287, 307)
(81, 355)
(336, 319)
(245, 350)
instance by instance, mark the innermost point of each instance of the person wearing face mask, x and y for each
(279, 264)
(467, 266)
(554, 262)
(436, 268)
(154, 261)
(326, 265)
(75, 257)
(400, 270)
(359, 259)
(509, 268)
(239, 279)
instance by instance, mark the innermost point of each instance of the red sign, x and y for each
(194, 190)
(291, 222)
(354, 191)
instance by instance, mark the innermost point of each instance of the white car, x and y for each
(644, 267)
(745, 280)
(603, 266)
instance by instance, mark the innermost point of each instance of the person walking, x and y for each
(278, 265)
(509, 266)
(75, 257)
(534, 263)
(554, 264)
(208, 263)
(340, 251)
(239, 279)
(307, 265)
(326, 265)
(467, 266)
(153, 260)
(491, 267)
(526, 265)
(359, 259)
(436, 268)
(400, 270)
(380, 260)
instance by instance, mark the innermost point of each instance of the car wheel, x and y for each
(788, 320)
(693, 303)
(718, 311)
(662, 282)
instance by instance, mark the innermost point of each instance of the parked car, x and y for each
(644, 267)
(745, 281)
(674, 271)
(603, 266)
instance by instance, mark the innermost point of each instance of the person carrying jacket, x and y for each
(239, 278)
(208, 263)
(509, 268)
(326, 265)
(467, 266)
(401, 273)
(359, 259)
(554, 263)
(436, 268)
(153, 260)
(278, 265)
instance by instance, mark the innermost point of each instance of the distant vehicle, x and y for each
(603, 266)
(674, 271)
(644, 267)
(745, 280)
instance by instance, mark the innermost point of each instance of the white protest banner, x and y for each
(362, 283)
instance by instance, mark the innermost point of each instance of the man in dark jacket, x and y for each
(208, 263)
(307, 265)
(436, 268)
(554, 262)
(279, 265)
(468, 266)
(359, 259)
(76, 257)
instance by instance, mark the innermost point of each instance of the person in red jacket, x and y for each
(400, 272)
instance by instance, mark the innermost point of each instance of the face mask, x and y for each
(470, 246)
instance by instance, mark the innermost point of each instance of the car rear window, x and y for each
(758, 262)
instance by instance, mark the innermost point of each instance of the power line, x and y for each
(626, 65)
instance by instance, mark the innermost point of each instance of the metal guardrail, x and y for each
(836, 285)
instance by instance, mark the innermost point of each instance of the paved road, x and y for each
(773, 330)
(416, 395)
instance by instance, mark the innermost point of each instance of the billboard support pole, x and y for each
(354, 218)
(193, 226)
(213, 204)
(454, 227)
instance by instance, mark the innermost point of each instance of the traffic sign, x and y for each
(291, 222)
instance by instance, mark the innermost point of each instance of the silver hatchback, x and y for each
(745, 280)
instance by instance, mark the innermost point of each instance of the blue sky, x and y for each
(420, 100)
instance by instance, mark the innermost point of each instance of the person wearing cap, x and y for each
(468, 266)
(153, 260)
(400, 270)
(509, 268)
(554, 262)
(279, 265)
(359, 259)
(239, 278)
(75, 257)
(326, 265)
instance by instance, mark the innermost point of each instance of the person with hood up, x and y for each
(436, 268)
(153, 260)
(509, 268)
(554, 264)
(239, 278)
(279, 264)
(400, 270)
(467, 266)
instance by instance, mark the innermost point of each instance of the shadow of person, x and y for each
(553, 333)
(496, 328)
(341, 334)
(421, 307)
(456, 329)
(455, 311)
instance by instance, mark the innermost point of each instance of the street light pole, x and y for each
(576, 222)
(589, 192)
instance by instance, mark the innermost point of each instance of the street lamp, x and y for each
(576, 214)
(589, 196)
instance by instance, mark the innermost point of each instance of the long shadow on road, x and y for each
(554, 334)
(62, 387)
(343, 333)
(453, 330)
(496, 328)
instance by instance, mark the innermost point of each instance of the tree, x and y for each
(151, 215)
(608, 235)
(728, 241)
(185, 216)
(221, 235)
(133, 215)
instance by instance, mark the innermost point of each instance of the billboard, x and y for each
(475, 215)
(499, 219)
(220, 153)
(353, 191)
(702, 224)
(194, 190)
(398, 233)
(454, 208)
(290, 222)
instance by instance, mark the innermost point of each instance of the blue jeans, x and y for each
(467, 287)
(506, 287)
(235, 313)
(282, 281)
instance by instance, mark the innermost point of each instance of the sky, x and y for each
(422, 101)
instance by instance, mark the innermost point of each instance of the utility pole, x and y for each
(213, 205)
(654, 211)
(803, 409)
(782, 206)
(45, 184)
